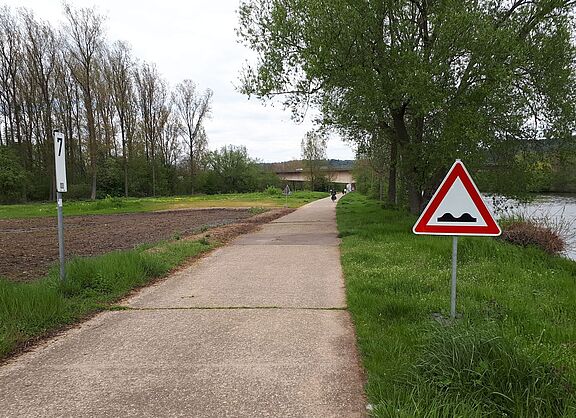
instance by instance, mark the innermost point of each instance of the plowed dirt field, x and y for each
(28, 247)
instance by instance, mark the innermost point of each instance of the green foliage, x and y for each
(109, 202)
(110, 177)
(78, 191)
(229, 170)
(563, 174)
(30, 310)
(368, 181)
(439, 80)
(258, 210)
(273, 191)
(12, 177)
(233, 171)
(140, 177)
(509, 352)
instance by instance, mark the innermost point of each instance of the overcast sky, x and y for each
(196, 40)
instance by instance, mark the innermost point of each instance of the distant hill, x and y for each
(298, 164)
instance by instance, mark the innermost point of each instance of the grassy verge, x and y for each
(511, 353)
(131, 205)
(31, 310)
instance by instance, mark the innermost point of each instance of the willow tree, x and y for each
(437, 79)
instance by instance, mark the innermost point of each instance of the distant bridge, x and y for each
(299, 175)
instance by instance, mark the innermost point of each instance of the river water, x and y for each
(558, 209)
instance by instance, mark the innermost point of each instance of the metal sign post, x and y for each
(61, 237)
(453, 288)
(61, 187)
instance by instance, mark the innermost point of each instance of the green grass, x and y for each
(111, 205)
(30, 310)
(512, 352)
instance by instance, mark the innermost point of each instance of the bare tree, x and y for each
(314, 156)
(10, 56)
(169, 135)
(84, 42)
(152, 97)
(192, 108)
(121, 66)
(42, 59)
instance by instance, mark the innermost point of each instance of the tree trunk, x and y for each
(191, 161)
(124, 156)
(392, 172)
(91, 145)
(409, 163)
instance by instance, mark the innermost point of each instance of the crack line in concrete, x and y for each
(300, 222)
(118, 308)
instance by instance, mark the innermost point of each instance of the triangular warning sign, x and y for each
(457, 208)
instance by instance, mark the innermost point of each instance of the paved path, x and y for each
(256, 329)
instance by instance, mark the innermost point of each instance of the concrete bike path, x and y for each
(259, 328)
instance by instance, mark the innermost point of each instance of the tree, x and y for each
(436, 80)
(314, 155)
(152, 97)
(120, 78)
(192, 108)
(43, 63)
(233, 169)
(85, 42)
(11, 53)
(374, 156)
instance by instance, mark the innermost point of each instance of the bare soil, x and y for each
(29, 247)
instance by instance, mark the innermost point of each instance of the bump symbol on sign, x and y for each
(448, 217)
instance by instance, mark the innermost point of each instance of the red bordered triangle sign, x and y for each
(457, 208)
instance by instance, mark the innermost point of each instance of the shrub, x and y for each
(12, 177)
(529, 233)
(78, 191)
(109, 202)
(256, 210)
(273, 191)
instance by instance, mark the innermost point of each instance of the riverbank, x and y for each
(555, 210)
(511, 351)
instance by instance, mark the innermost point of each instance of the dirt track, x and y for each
(28, 247)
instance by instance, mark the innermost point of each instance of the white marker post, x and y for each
(61, 187)
(286, 193)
